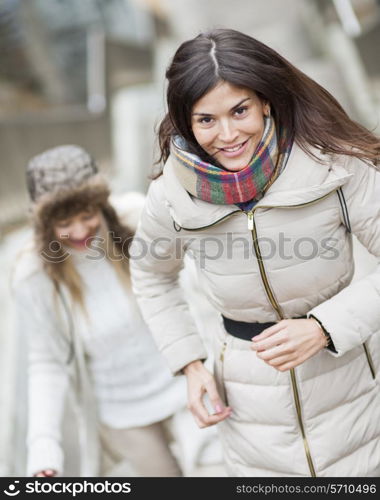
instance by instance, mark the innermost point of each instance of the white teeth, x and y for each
(231, 150)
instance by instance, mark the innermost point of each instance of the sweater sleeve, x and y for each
(353, 315)
(47, 381)
(157, 255)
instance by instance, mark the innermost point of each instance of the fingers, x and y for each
(204, 419)
(279, 351)
(275, 347)
(286, 366)
(196, 404)
(269, 331)
(284, 362)
(202, 416)
(212, 392)
(46, 473)
(294, 342)
(274, 340)
(280, 360)
(50, 473)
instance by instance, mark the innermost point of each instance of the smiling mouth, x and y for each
(81, 242)
(233, 149)
(78, 242)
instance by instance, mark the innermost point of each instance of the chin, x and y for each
(235, 166)
(78, 247)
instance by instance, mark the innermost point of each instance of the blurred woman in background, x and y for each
(84, 331)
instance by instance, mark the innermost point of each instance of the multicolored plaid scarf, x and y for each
(216, 185)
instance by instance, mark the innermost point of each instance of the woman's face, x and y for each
(228, 123)
(75, 231)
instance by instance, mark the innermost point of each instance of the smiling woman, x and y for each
(255, 151)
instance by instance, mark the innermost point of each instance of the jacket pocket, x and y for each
(369, 361)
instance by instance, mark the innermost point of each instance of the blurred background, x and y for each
(91, 72)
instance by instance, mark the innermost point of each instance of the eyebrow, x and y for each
(233, 107)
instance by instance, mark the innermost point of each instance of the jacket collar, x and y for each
(303, 180)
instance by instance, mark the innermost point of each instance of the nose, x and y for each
(227, 131)
(79, 231)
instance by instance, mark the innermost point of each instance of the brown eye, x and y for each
(62, 223)
(205, 120)
(240, 111)
(88, 216)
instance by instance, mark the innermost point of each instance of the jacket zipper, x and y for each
(277, 308)
(369, 360)
(212, 224)
(221, 358)
(271, 297)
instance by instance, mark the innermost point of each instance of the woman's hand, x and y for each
(199, 382)
(289, 343)
(46, 473)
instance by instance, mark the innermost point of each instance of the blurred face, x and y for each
(76, 230)
(228, 123)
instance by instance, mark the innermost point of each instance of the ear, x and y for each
(267, 109)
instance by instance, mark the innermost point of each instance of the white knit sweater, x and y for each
(132, 383)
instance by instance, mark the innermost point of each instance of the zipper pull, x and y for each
(250, 221)
(222, 351)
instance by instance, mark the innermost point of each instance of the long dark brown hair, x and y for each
(297, 102)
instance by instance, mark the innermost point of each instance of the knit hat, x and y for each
(64, 181)
(63, 167)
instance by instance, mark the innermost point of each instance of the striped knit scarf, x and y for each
(215, 185)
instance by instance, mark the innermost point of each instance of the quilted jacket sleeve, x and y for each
(353, 315)
(47, 382)
(157, 255)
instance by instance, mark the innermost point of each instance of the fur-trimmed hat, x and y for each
(63, 181)
(63, 167)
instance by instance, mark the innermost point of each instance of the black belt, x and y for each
(246, 331)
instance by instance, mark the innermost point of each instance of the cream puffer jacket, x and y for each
(290, 256)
